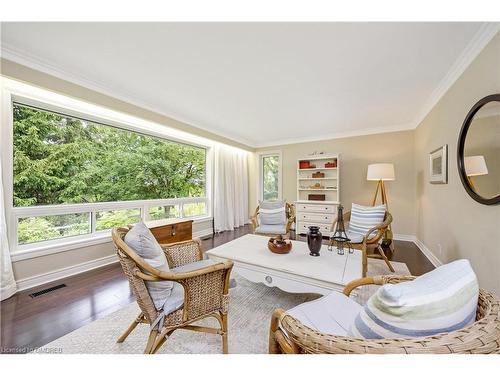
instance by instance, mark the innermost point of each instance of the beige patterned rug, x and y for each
(250, 309)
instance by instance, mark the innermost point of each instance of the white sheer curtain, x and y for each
(230, 188)
(7, 283)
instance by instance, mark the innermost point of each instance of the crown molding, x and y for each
(338, 135)
(8, 52)
(482, 37)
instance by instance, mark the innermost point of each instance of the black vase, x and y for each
(314, 241)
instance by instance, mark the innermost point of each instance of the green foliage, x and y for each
(35, 229)
(270, 169)
(117, 218)
(59, 159)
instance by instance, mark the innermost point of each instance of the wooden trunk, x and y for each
(171, 230)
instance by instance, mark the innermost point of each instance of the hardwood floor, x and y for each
(28, 323)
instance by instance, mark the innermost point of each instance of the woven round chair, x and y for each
(288, 335)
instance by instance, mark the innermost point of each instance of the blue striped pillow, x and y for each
(364, 218)
(442, 300)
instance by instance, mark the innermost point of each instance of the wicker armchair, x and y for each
(290, 215)
(369, 246)
(288, 335)
(205, 290)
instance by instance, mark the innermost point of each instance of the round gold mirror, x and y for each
(478, 151)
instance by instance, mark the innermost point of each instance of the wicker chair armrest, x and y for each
(376, 280)
(206, 291)
(179, 277)
(181, 253)
(379, 229)
(253, 219)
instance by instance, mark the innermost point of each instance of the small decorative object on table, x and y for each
(279, 245)
(339, 237)
(314, 240)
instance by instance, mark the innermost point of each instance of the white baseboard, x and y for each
(428, 253)
(424, 249)
(33, 281)
(405, 237)
(37, 280)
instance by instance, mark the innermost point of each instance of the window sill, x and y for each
(72, 243)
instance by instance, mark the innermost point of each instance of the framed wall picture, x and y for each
(438, 165)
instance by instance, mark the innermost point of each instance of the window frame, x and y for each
(16, 92)
(260, 169)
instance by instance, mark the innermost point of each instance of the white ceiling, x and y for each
(258, 83)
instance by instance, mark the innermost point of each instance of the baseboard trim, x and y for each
(37, 280)
(428, 253)
(424, 249)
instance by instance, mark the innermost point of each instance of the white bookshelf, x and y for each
(317, 212)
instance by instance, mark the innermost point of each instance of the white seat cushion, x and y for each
(176, 298)
(270, 229)
(355, 237)
(332, 314)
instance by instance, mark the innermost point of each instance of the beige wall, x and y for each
(356, 154)
(449, 222)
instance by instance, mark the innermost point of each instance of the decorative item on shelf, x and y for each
(279, 245)
(382, 172)
(304, 164)
(339, 237)
(314, 240)
(318, 175)
(317, 185)
(317, 197)
(438, 165)
(331, 164)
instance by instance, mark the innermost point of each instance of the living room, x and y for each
(245, 190)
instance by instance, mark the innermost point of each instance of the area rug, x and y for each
(250, 309)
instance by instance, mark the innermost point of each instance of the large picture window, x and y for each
(61, 160)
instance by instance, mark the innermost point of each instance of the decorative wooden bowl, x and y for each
(279, 245)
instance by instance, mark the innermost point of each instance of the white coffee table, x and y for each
(295, 272)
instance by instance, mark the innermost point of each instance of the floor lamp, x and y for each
(382, 172)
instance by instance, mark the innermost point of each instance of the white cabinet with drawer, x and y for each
(318, 177)
(321, 215)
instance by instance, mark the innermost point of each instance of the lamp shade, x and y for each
(381, 171)
(475, 165)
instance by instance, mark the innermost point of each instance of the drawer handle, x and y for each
(269, 279)
(173, 230)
